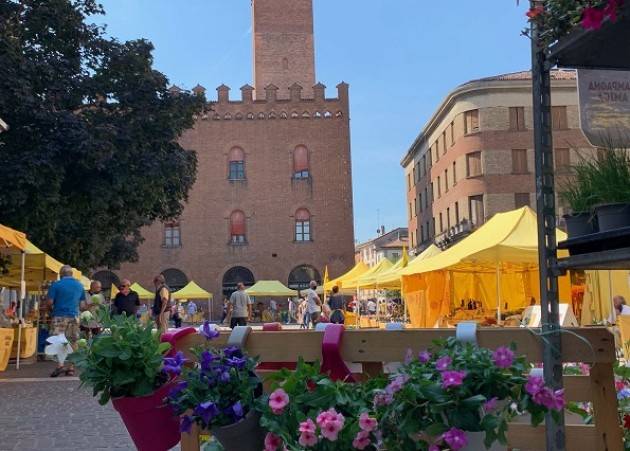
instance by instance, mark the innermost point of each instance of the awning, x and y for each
(358, 270)
(191, 291)
(368, 279)
(12, 238)
(391, 279)
(272, 288)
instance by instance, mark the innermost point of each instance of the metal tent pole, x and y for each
(546, 212)
(499, 300)
(21, 310)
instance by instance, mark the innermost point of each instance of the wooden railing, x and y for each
(371, 348)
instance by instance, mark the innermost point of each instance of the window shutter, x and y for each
(237, 223)
(513, 118)
(237, 154)
(300, 159)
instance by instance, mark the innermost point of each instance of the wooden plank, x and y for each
(190, 440)
(527, 438)
(589, 345)
(577, 388)
(605, 407)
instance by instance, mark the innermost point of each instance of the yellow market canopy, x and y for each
(368, 279)
(272, 288)
(391, 279)
(191, 291)
(12, 238)
(143, 293)
(358, 270)
(509, 239)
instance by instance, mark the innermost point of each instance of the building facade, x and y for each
(390, 245)
(475, 156)
(273, 196)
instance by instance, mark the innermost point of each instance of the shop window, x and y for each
(237, 228)
(302, 225)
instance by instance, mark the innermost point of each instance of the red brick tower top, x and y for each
(283, 45)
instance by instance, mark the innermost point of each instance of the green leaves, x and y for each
(125, 360)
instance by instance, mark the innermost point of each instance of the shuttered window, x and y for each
(471, 121)
(473, 164)
(519, 161)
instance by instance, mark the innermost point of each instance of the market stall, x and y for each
(191, 292)
(492, 271)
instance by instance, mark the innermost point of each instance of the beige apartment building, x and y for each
(390, 245)
(475, 156)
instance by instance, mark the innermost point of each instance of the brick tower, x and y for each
(283, 45)
(273, 196)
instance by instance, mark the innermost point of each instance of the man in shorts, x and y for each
(239, 307)
(65, 296)
(313, 303)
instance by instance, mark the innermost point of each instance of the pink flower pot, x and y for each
(150, 422)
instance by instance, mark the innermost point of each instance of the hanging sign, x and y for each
(605, 107)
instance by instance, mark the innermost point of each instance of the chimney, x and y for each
(247, 93)
(223, 94)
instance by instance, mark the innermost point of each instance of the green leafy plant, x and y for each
(218, 390)
(307, 410)
(443, 394)
(123, 361)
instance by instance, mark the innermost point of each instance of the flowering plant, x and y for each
(218, 390)
(440, 395)
(307, 410)
(558, 17)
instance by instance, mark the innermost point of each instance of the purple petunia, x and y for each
(224, 376)
(534, 384)
(490, 404)
(232, 351)
(207, 411)
(173, 365)
(206, 360)
(237, 362)
(237, 409)
(503, 357)
(443, 363)
(174, 393)
(186, 423)
(455, 438)
(208, 330)
(452, 378)
(424, 356)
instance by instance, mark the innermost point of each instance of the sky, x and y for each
(400, 57)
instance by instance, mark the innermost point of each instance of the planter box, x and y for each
(28, 345)
(6, 342)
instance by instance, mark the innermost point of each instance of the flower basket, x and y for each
(150, 422)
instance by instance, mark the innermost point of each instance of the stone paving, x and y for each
(42, 413)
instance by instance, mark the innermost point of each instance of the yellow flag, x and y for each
(326, 277)
(405, 257)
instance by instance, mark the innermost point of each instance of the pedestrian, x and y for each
(313, 304)
(225, 309)
(65, 296)
(302, 315)
(161, 303)
(93, 301)
(336, 305)
(371, 307)
(239, 307)
(290, 311)
(126, 301)
(175, 316)
(191, 311)
(273, 307)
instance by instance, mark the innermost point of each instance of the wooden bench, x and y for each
(373, 347)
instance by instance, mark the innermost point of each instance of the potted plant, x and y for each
(610, 179)
(124, 364)
(460, 397)
(578, 194)
(218, 393)
(307, 410)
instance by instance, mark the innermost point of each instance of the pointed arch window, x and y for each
(303, 225)
(300, 163)
(237, 228)
(236, 164)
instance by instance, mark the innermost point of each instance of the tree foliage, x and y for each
(91, 155)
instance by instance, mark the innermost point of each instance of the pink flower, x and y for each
(535, 12)
(367, 423)
(455, 438)
(307, 439)
(330, 430)
(424, 356)
(278, 400)
(490, 404)
(503, 357)
(434, 447)
(330, 423)
(382, 399)
(308, 426)
(272, 442)
(534, 384)
(452, 378)
(592, 18)
(550, 399)
(362, 440)
(443, 363)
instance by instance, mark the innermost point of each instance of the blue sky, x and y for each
(400, 57)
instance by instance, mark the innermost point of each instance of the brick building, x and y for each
(273, 196)
(475, 156)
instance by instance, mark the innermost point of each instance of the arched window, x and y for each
(235, 275)
(301, 276)
(302, 225)
(237, 228)
(175, 279)
(300, 163)
(236, 169)
(107, 279)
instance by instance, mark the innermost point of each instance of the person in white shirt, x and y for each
(313, 303)
(371, 307)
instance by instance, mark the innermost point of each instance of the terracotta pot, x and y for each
(151, 423)
(246, 435)
(613, 216)
(475, 443)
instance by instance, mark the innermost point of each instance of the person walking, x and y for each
(175, 315)
(313, 304)
(302, 315)
(239, 307)
(126, 300)
(65, 296)
(161, 303)
(225, 309)
(191, 311)
(336, 305)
